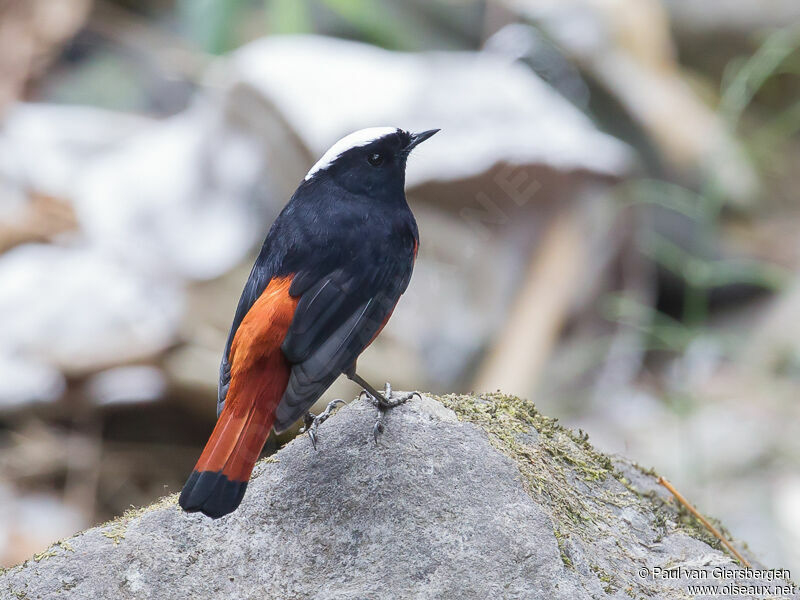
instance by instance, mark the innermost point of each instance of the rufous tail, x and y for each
(219, 479)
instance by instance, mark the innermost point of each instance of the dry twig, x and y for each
(704, 521)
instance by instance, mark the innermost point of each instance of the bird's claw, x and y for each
(384, 402)
(311, 423)
(377, 429)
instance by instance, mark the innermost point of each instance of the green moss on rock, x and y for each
(556, 464)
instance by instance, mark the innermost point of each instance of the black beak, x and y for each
(418, 138)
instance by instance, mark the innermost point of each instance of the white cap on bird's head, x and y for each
(365, 137)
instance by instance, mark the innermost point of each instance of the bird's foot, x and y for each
(311, 423)
(387, 399)
(384, 402)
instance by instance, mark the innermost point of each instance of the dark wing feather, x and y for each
(335, 320)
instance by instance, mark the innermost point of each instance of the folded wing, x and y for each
(336, 318)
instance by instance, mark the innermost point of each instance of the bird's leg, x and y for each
(311, 423)
(382, 402)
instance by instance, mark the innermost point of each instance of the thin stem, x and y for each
(704, 521)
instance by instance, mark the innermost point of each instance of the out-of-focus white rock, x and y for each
(491, 110)
(77, 309)
(44, 147)
(627, 46)
(26, 381)
(127, 385)
(184, 196)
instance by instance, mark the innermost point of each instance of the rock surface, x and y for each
(467, 498)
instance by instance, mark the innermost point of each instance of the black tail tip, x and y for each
(211, 493)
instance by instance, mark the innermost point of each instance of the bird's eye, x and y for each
(376, 159)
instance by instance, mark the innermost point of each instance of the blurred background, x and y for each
(609, 226)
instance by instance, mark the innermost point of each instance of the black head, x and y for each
(369, 159)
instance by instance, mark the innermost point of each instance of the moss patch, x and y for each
(606, 580)
(115, 529)
(557, 464)
(553, 460)
(42, 555)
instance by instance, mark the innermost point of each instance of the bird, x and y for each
(328, 276)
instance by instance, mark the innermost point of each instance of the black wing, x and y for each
(337, 316)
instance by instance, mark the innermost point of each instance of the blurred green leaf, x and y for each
(742, 79)
(663, 332)
(662, 193)
(780, 128)
(707, 274)
(372, 20)
(289, 16)
(211, 23)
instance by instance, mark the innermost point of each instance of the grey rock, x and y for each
(460, 499)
